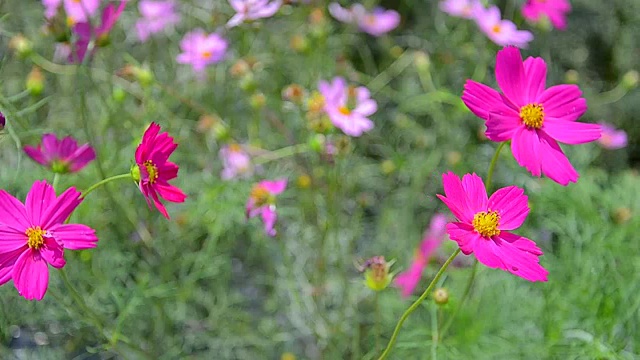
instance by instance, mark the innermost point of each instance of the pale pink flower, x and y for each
(501, 32)
(200, 49)
(461, 8)
(80, 10)
(156, 16)
(51, 8)
(247, 10)
(34, 235)
(555, 10)
(377, 22)
(433, 237)
(484, 225)
(84, 32)
(61, 155)
(612, 138)
(236, 162)
(348, 107)
(262, 201)
(535, 119)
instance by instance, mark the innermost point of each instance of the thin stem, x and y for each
(281, 153)
(80, 301)
(466, 293)
(492, 166)
(104, 181)
(56, 179)
(416, 304)
(434, 333)
(376, 326)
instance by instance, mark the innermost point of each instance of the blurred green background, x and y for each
(210, 285)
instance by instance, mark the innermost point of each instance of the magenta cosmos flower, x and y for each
(61, 155)
(236, 162)
(555, 10)
(156, 16)
(153, 170)
(201, 50)
(484, 223)
(84, 32)
(247, 10)
(80, 10)
(433, 237)
(262, 201)
(461, 8)
(348, 107)
(33, 235)
(377, 22)
(612, 138)
(3, 121)
(535, 119)
(501, 32)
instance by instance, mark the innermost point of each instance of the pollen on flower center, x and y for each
(532, 115)
(152, 170)
(344, 110)
(486, 223)
(496, 29)
(207, 54)
(36, 237)
(260, 195)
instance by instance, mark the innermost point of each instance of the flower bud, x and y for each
(239, 69)
(293, 93)
(571, 77)
(35, 82)
(316, 142)
(421, 61)
(441, 296)
(630, 80)
(299, 43)
(144, 76)
(257, 100)
(396, 51)
(387, 167)
(248, 83)
(453, 158)
(621, 215)
(118, 94)
(21, 45)
(214, 125)
(287, 356)
(303, 181)
(135, 173)
(376, 273)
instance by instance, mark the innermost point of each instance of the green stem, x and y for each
(104, 181)
(56, 179)
(377, 324)
(467, 290)
(80, 301)
(415, 305)
(434, 333)
(281, 153)
(492, 166)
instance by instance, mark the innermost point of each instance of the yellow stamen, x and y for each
(496, 29)
(344, 110)
(532, 115)
(235, 148)
(36, 237)
(152, 170)
(207, 54)
(486, 223)
(261, 196)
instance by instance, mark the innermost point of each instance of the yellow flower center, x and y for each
(71, 21)
(235, 148)
(261, 196)
(152, 170)
(486, 223)
(207, 54)
(532, 115)
(36, 237)
(496, 29)
(344, 110)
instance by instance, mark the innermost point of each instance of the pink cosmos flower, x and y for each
(79, 10)
(535, 119)
(61, 155)
(612, 138)
(3, 121)
(348, 107)
(461, 8)
(484, 223)
(156, 16)
(153, 170)
(236, 162)
(83, 31)
(555, 10)
(377, 22)
(200, 49)
(51, 8)
(262, 202)
(34, 235)
(408, 280)
(247, 10)
(501, 32)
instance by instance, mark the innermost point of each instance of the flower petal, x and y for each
(455, 197)
(36, 154)
(476, 192)
(521, 256)
(512, 205)
(482, 100)
(11, 239)
(502, 127)
(464, 235)
(563, 102)
(572, 132)
(61, 208)
(39, 198)
(408, 280)
(31, 275)
(525, 148)
(510, 75)
(7, 260)
(535, 70)
(53, 253)
(555, 164)
(13, 212)
(269, 218)
(75, 236)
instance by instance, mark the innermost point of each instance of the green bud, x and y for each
(118, 94)
(248, 83)
(316, 142)
(630, 80)
(421, 61)
(387, 167)
(135, 173)
(441, 296)
(35, 82)
(21, 45)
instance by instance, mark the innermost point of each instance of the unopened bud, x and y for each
(299, 43)
(3, 121)
(316, 17)
(294, 93)
(21, 45)
(35, 82)
(135, 173)
(387, 167)
(376, 273)
(287, 356)
(214, 125)
(453, 158)
(441, 296)
(421, 61)
(396, 51)
(118, 94)
(257, 100)
(248, 83)
(571, 77)
(630, 80)
(303, 181)
(316, 142)
(343, 145)
(144, 76)
(239, 68)
(621, 215)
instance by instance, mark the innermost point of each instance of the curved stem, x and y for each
(102, 182)
(281, 153)
(492, 166)
(80, 301)
(417, 303)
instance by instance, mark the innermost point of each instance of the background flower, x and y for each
(200, 49)
(61, 155)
